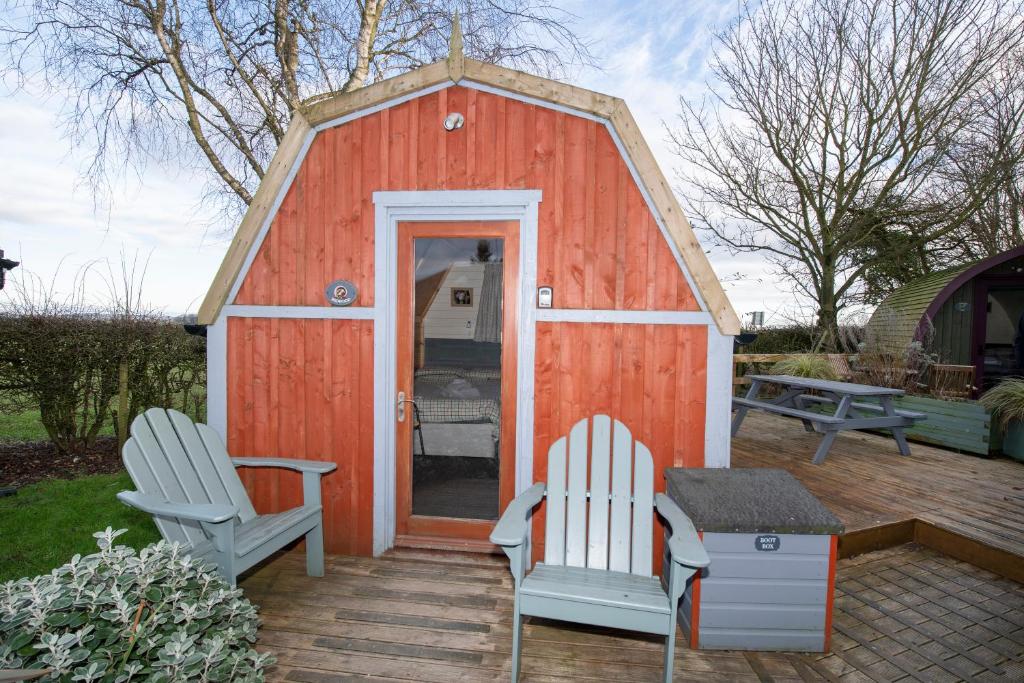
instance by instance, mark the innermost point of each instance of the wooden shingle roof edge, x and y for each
(324, 109)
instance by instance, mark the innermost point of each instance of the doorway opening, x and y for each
(1001, 332)
(456, 374)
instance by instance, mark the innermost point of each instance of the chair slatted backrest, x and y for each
(952, 381)
(616, 532)
(171, 457)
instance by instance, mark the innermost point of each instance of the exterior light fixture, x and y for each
(454, 121)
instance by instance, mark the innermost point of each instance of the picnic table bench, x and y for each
(855, 407)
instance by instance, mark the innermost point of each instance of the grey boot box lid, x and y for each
(756, 500)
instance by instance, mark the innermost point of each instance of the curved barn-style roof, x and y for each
(336, 108)
(904, 315)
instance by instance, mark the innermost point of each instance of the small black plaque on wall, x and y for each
(341, 293)
(767, 543)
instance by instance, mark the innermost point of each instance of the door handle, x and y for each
(402, 400)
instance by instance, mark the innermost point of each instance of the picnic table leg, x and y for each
(824, 446)
(897, 432)
(830, 435)
(901, 440)
(741, 412)
(799, 403)
(851, 412)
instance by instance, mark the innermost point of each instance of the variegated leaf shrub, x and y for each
(118, 615)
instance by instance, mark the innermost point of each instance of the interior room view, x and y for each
(457, 385)
(1004, 334)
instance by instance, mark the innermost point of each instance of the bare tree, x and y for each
(214, 83)
(998, 223)
(984, 153)
(831, 121)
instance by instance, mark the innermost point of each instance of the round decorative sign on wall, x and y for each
(341, 293)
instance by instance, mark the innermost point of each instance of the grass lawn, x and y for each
(22, 427)
(27, 427)
(46, 523)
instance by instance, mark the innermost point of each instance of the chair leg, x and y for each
(517, 639)
(222, 535)
(670, 645)
(226, 567)
(315, 550)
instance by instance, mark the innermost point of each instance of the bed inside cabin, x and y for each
(457, 378)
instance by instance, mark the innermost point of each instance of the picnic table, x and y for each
(857, 406)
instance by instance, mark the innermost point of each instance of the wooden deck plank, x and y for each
(904, 613)
(867, 483)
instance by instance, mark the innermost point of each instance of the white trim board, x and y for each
(311, 312)
(718, 403)
(217, 377)
(390, 208)
(576, 315)
(501, 92)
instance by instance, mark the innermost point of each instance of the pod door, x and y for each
(456, 380)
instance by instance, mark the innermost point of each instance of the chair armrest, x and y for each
(311, 470)
(684, 544)
(511, 529)
(200, 512)
(318, 466)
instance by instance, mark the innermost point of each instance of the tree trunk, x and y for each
(122, 404)
(828, 330)
(364, 43)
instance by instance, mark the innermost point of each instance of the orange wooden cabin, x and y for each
(607, 303)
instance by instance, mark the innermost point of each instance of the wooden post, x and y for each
(122, 403)
(456, 59)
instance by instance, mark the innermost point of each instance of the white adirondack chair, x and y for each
(597, 563)
(187, 481)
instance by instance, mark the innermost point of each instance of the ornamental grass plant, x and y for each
(1005, 401)
(812, 367)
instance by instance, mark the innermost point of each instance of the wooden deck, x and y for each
(906, 613)
(901, 614)
(970, 507)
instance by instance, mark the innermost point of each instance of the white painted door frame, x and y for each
(390, 208)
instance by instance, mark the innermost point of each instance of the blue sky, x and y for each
(650, 53)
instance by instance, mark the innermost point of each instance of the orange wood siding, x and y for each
(304, 389)
(598, 244)
(651, 377)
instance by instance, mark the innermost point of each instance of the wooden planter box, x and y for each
(960, 425)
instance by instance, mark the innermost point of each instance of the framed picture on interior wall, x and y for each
(462, 296)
